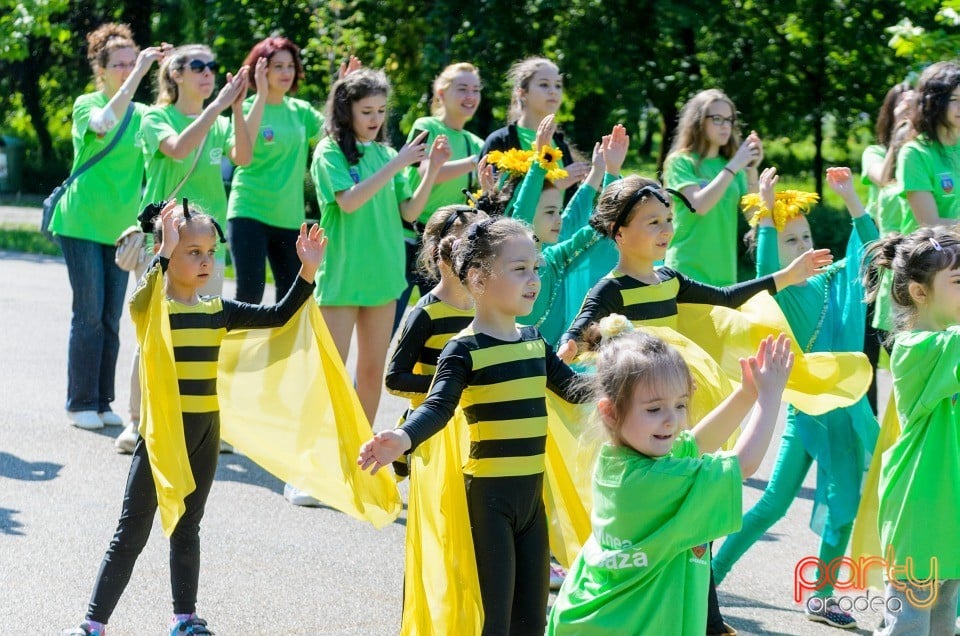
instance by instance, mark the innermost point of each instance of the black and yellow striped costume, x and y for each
(656, 305)
(429, 327)
(501, 387)
(196, 332)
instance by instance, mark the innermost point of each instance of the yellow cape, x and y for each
(865, 539)
(286, 402)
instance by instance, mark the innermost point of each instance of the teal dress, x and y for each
(826, 314)
(548, 311)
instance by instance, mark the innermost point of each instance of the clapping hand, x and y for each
(311, 245)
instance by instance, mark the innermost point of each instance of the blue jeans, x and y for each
(99, 287)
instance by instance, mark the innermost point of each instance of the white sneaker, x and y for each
(109, 418)
(87, 420)
(299, 498)
(126, 441)
(956, 629)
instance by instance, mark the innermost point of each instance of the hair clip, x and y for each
(148, 217)
(470, 197)
(936, 244)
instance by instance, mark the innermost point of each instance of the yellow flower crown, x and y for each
(517, 162)
(788, 205)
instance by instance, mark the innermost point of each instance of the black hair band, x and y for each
(642, 193)
(148, 217)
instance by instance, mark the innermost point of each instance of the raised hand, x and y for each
(236, 87)
(351, 65)
(488, 180)
(151, 54)
(440, 152)
(773, 368)
(749, 152)
(414, 151)
(575, 174)
(311, 245)
(260, 76)
(807, 264)
(768, 188)
(615, 148)
(759, 146)
(171, 228)
(545, 132)
(382, 450)
(840, 181)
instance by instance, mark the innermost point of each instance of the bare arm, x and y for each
(179, 146)
(411, 208)
(352, 199)
(255, 116)
(924, 208)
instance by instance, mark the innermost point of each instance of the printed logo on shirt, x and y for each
(216, 155)
(698, 553)
(267, 134)
(946, 182)
(703, 183)
(138, 140)
(355, 174)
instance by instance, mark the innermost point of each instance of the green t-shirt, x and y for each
(920, 479)
(105, 199)
(704, 246)
(365, 258)
(893, 215)
(270, 189)
(464, 144)
(872, 156)
(646, 566)
(204, 188)
(925, 166)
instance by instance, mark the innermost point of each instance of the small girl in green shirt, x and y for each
(919, 516)
(659, 494)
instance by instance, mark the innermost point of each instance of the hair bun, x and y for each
(614, 325)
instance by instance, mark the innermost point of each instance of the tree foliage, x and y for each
(797, 69)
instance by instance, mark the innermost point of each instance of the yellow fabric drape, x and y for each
(286, 402)
(161, 422)
(441, 592)
(865, 539)
(819, 382)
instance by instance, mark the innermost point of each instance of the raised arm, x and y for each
(353, 198)
(179, 146)
(764, 378)
(103, 120)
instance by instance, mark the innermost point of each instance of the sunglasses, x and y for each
(197, 66)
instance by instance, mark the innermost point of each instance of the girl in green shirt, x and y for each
(919, 519)
(363, 196)
(266, 206)
(93, 212)
(711, 167)
(929, 166)
(660, 494)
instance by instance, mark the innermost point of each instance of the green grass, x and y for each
(23, 238)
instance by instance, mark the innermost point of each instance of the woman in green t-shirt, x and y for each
(928, 167)
(93, 212)
(711, 167)
(179, 126)
(456, 97)
(266, 205)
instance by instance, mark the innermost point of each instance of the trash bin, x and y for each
(11, 164)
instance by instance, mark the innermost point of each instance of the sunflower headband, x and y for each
(517, 162)
(788, 205)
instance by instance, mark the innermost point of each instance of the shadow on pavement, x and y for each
(747, 626)
(13, 467)
(9, 525)
(761, 485)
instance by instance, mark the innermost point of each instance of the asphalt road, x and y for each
(268, 567)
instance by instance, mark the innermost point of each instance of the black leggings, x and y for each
(509, 527)
(136, 519)
(252, 243)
